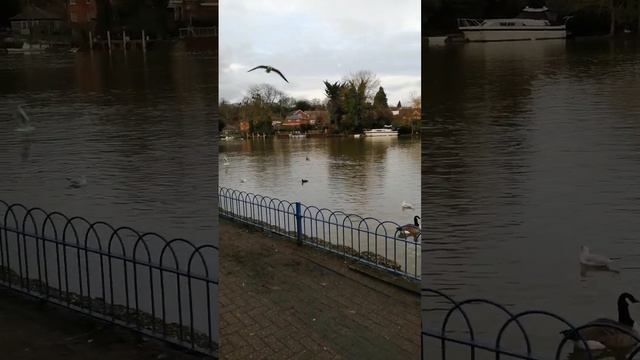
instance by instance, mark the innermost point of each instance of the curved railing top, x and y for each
(106, 239)
(511, 319)
(308, 211)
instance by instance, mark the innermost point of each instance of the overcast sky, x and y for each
(315, 40)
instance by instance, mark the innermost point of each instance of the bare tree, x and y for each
(364, 78)
(264, 94)
(416, 101)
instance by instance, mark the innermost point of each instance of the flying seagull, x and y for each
(269, 69)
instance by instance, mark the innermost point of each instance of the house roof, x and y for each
(298, 114)
(31, 12)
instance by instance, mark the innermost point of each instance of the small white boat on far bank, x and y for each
(386, 131)
(28, 49)
(297, 135)
(530, 24)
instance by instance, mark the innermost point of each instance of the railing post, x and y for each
(299, 222)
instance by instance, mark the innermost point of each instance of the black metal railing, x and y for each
(165, 289)
(364, 239)
(440, 333)
(198, 31)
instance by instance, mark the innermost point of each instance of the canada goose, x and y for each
(412, 230)
(226, 160)
(269, 69)
(406, 205)
(588, 259)
(77, 183)
(243, 180)
(307, 157)
(603, 333)
(305, 181)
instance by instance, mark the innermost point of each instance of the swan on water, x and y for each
(412, 230)
(589, 259)
(601, 334)
(77, 183)
(406, 205)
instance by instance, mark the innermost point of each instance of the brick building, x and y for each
(82, 11)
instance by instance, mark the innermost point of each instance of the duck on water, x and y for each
(608, 334)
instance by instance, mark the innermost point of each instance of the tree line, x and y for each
(352, 105)
(355, 103)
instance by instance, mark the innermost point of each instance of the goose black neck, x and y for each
(415, 220)
(623, 313)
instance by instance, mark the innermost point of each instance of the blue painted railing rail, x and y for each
(364, 239)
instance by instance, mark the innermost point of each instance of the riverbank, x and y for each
(282, 300)
(32, 329)
(309, 136)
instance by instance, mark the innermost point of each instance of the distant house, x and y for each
(82, 11)
(297, 118)
(36, 21)
(405, 115)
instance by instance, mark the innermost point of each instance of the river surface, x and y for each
(370, 177)
(141, 129)
(531, 149)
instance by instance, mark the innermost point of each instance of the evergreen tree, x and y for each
(335, 106)
(381, 113)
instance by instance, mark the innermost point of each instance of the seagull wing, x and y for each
(258, 67)
(279, 73)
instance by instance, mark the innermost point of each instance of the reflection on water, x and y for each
(368, 177)
(141, 130)
(531, 150)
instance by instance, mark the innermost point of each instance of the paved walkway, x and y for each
(279, 300)
(31, 329)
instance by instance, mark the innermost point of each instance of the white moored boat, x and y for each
(386, 131)
(29, 48)
(297, 135)
(531, 24)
